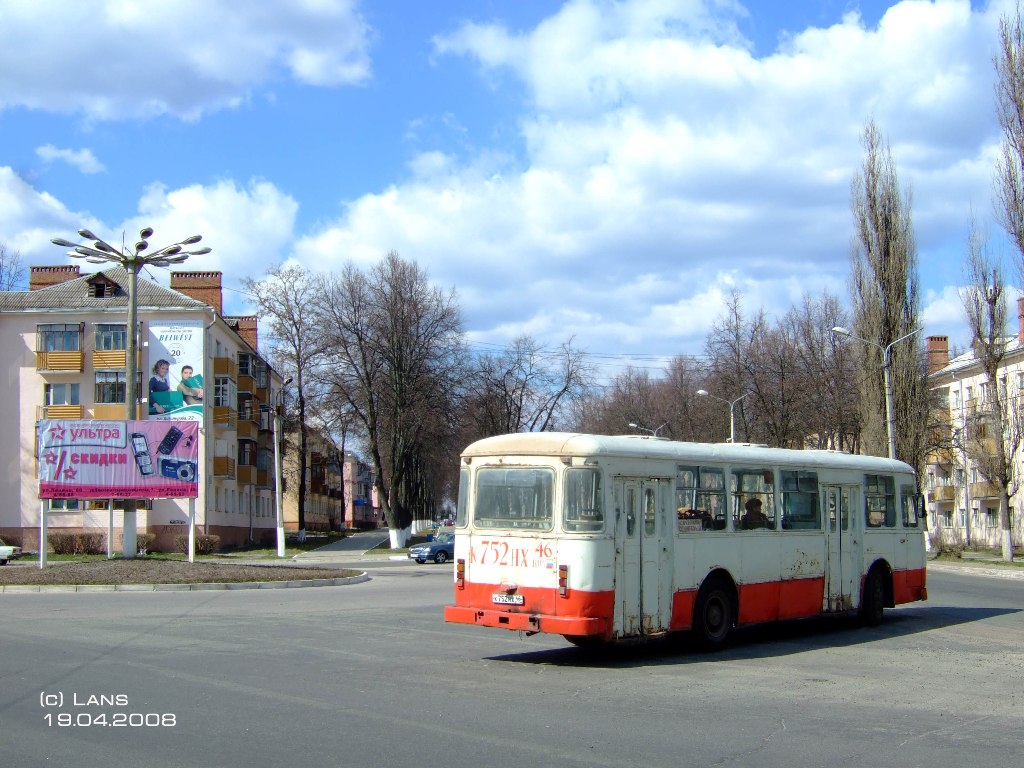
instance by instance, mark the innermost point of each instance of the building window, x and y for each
(246, 453)
(991, 517)
(111, 336)
(224, 392)
(66, 505)
(111, 386)
(58, 337)
(61, 394)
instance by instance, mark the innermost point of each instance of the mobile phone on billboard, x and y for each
(170, 440)
(140, 447)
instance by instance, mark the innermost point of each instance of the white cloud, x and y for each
(659, 151)
(249, 228)
(82, 159)
(185, 58)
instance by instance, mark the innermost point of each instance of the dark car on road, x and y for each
(440, 550)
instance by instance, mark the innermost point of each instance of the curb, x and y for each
(199, 587)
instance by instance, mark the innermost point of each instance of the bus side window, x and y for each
(800, 508)
(880, 501)
(700, 499)
(909, 504)
(753, 493)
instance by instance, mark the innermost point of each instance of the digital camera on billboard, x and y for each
(178, 469)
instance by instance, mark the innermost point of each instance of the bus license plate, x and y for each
(509, 599)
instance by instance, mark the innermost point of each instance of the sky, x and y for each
(605, 171)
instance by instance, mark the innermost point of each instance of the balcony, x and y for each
(67, 362)
(60, 412)
(113, 358)
(246, 383)
(984, 491)
(246, 429)
(223, 466)
(263, 477)
(225, 417)
(225, 366)
(246, 474)
(942, 493)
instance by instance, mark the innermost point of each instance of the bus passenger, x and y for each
(754, 518)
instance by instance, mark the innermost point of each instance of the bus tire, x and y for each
(714, 615)
(872, 602)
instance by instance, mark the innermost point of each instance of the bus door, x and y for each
(642, 564)
(842, 571)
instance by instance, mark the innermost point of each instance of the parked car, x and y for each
(7, 552)
(440, 550)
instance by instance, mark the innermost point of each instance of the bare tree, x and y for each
(525, 388)
(282, 299)
(1009, 64)
(887, 303)
(829, 404)
(12, 269)
(996, 425)
(395, 354)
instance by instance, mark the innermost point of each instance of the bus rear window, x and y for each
(519, 497)
(584, 506)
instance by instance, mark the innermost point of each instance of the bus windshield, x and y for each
(517, 497)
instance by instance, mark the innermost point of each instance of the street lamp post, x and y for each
(732, 410)
(133, 260)
(890, 416)
(654, 432)
(278, 490)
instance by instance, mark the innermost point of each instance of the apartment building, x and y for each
(963, 507)
(64, 342)
(339, 488)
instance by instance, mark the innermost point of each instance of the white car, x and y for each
(7, 552)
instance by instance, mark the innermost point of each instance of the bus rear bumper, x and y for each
(526, 622)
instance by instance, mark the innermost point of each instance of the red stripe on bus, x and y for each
(908, 586)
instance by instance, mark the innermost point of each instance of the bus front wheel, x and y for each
(872, 602)
(714, 615)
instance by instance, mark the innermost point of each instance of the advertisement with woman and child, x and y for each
(175, 388)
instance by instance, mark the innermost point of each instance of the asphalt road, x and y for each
(369, 675)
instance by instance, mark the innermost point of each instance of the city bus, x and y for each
(600, 538)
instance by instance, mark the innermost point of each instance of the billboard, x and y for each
(118, 459)
(176, 370)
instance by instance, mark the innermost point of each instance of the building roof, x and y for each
(78, 294)
(968, 361)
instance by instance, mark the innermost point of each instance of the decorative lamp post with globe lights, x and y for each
(133, 260)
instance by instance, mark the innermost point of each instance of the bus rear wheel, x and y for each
(713, 615)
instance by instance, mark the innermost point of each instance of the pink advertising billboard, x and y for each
(118, 459)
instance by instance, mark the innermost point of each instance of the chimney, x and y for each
(201, 286)
(246, 327)
(44, 277)
(938, 353)
(1020, 320)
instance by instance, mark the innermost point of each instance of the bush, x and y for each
(67, 543)
(62, 543)
(93, 543)
(143, 541)
(206, 544)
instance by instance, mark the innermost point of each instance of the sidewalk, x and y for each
(355, 546)
(978, 564)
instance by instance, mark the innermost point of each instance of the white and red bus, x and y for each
(599, 538)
